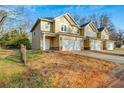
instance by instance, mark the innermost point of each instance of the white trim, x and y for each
(47, 24)
(69, 16)
(66, 27)
(93, 26)
(73, 20)
(43, 41)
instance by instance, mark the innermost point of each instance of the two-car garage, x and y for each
(95, 44)
(71, 43)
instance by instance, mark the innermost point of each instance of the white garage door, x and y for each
(47, 44)
(69, 45)
(92, 45)
(98, 45)
(95, 45)
(110, 46)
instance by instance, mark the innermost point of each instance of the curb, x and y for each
(122, 55)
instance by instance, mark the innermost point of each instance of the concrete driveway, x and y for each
(107, 57)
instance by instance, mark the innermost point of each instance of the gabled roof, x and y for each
(67, 14)
(54, 18)
(49, 18)
(88, 23)
(103, 29)
(85, 24)
(37, 21)
(43, 18)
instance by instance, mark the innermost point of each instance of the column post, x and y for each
(44, 41)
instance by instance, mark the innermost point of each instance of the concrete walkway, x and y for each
(107, 57)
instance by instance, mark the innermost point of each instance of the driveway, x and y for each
(107, 57)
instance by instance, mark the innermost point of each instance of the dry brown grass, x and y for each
(73, 70)
(4, 53)
(63, 68)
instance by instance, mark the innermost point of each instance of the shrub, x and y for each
(12, 39)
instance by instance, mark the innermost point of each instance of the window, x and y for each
(47, 25)
(89, 33)
(78, 31)
(64, 28)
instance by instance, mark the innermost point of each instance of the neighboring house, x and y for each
(89, 32)
(60, 33)
(104, 34)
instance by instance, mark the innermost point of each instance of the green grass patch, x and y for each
(29, 79)
(31, 54)
(11, 67)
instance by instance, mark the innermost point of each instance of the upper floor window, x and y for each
(64, 28)
(105, 37)
(89, 33)
(47, 25)
(78, 31)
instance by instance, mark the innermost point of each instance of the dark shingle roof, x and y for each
(101, 29)
(85, 24)
(49, 18)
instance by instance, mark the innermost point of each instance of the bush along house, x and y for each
(63, 33)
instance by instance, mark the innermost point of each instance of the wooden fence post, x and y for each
(23, 53)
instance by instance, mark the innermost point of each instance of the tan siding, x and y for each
(104, 35)
(36, 37)
(63, 20)
(43, 22)
(89, 32)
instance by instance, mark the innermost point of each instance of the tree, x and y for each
(100, 20)
(15, 24)
(95, 19)
(120, 38)
(76, 18)
(13, 38)
(3, 16)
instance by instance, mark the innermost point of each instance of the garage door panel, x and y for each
(69, 45)
(77, 45)
(95, 45)
(92, 45)
(110, 46)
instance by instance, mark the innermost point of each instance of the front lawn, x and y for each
(10, 65)
(53, 69)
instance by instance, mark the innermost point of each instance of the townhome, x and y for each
(89, 32)
(104, 34)
(64, 34)
(59, 33)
